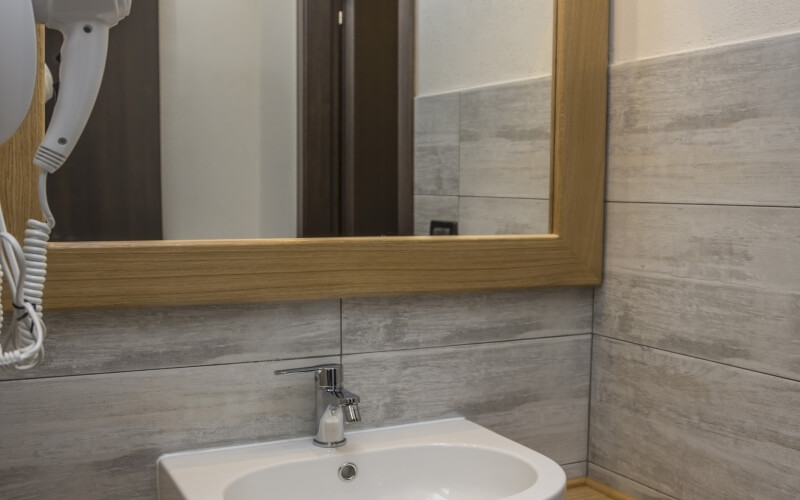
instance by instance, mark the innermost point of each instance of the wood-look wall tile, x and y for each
(713, 126)
(428, 208)
(576, 470)
(436, 148)
(625, 485)
(97, 437)
(736, 325)
(410, 322)
(693, 429)
(748, 246)
(532, 391)
(100, 341)
(720, 283)
(479, 216)
(505, 140)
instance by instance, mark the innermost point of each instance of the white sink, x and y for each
(448, 459)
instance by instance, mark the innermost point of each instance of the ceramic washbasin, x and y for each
(443, 460)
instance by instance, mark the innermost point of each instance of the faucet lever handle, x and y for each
(308, 369)
(329, 376)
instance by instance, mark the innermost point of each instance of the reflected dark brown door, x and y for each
(319, 118)
(356, 117)
(110, 187)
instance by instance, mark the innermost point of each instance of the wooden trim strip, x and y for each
(579, 139)
(607, 490)
(576, 483)
(207, 272)
(599, 487)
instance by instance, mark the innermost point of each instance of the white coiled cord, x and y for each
(22, 345)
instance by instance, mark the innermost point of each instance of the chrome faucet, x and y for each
(335, 405)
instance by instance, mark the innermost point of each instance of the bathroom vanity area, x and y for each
(621, 296)
(168, 346)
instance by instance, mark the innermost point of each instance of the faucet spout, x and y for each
(349, 403)
(352, 414)
(334, 404)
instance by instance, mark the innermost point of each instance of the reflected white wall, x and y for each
(228, 111)
(279, 119)
(464, 44)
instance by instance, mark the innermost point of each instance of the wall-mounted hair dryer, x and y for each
(85, 25)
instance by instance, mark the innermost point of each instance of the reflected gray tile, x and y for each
(479, 216)
(691, 428)
(97, 437)
(428, 208)
(99, 341)
(409, 322)
(436, 148)
(505, 140)
(625, 485)
(713, 126)
(533, 391)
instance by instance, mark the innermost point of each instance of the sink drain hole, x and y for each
(348, 472)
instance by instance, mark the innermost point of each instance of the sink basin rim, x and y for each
(206, 474)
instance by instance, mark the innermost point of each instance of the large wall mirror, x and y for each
(248, 124)
(254, 119)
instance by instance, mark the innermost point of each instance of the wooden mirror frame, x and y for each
(136, 274)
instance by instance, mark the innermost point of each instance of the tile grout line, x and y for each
(698, 358)
(621, 272)
(458, 208)
(277, 360)
(496, 197)
(591, 385)
(168, 368)
(482, 343)
(341, 331)
(579, 462)
(696, 204)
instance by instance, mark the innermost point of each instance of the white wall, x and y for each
(471, 43)
(650, 28)
(227, 118)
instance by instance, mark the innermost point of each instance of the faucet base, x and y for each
(337, 444)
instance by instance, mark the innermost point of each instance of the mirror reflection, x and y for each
(267, 119)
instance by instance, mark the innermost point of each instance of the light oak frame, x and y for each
(137, 274)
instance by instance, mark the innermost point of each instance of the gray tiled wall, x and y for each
(119, 388)
(696, 365)
(696, 355)
(482, 158)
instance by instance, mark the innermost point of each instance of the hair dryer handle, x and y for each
(83, 58)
